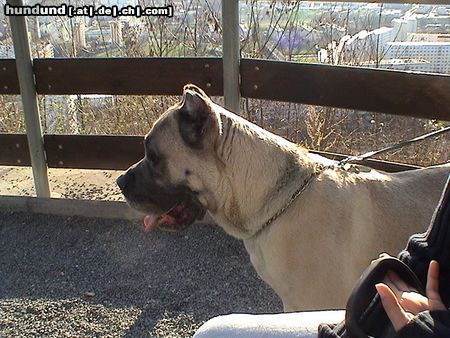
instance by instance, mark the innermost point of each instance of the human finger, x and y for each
(382, 255)
(397, 315)
(410, 300)
(399, 283)
(432, 289)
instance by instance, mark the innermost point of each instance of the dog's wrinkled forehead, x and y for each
(162, 130)
(189, 126)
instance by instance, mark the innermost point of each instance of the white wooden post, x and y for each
(24, 64)
(231, 54)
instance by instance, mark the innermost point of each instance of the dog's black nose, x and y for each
(122, 181)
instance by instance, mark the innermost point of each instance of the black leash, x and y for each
(365, 156)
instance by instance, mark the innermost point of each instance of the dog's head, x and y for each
(169, 183)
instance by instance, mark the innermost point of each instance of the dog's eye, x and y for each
(153, 159)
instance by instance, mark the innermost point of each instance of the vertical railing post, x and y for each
(231, 54)
(24, 64)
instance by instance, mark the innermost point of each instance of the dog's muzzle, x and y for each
(169, 208)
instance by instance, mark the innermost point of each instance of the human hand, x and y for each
(402, 302)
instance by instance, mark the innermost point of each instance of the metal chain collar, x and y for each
(319, 169)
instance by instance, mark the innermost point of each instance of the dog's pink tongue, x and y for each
(149, 222)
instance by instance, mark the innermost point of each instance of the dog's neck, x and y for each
(260, 172)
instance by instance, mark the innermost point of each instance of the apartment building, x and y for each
(437, 53)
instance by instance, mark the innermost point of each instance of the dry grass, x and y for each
(320, 128)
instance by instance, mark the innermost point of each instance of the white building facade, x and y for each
(436, 53)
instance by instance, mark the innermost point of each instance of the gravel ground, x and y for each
(72, 276)
(64, 183)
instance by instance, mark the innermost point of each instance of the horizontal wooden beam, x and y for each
(9, 83)
(93, 151)
(112, 152)
(375, 90)
(14, 150)
(385, 91)
(127, 76)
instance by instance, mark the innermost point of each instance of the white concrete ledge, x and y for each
(68, 207)
(73, 207)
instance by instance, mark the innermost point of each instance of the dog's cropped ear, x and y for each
(196, 89)
(196, 116)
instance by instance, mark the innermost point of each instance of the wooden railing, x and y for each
(384, 91)
(375, 90)
(109, 152)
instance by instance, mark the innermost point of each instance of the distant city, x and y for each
(417, 40)
(411, 37)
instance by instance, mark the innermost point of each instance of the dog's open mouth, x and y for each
(178, 218)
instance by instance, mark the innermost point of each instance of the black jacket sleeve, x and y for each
(435, 324)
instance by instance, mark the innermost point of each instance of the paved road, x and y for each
(68, 276)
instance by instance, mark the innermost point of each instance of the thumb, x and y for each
(434, 299)
(397, 315)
